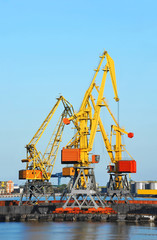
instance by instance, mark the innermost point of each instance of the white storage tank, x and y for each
(153, 185)
(139, 185)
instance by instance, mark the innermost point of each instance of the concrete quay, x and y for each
(124, 212)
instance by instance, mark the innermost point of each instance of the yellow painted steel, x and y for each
(44, 125)
(147, 191)
(45, 163)
(87, 121)
(116, 130)
(113, 75)
(104, 135)
(118, 148)
(97, 109)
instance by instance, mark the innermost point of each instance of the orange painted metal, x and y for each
(95, 158)
(110, 168)
(66, 121)
(68, 171)
(126, 166)
(76, 210)
(70, 156)
(130, 135)
(106, 210)
(30, 174)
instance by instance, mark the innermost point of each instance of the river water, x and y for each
(77, 231)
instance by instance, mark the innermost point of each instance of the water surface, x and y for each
(77, 231)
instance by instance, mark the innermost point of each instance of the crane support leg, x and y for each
(118, 187)
(35, 191)
(85, 196)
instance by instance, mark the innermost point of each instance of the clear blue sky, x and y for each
(52, 47)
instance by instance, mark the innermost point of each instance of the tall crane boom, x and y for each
(44, 125)
(39, 166)
(109, 67)
(51, 151)
(86, 120)
(77, 151)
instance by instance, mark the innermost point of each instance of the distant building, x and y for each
(3, 187)
(10, 186)
(6, 187)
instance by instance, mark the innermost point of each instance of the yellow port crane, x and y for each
(39, 166)
(85, 120)
(77, 151)
(118, 185)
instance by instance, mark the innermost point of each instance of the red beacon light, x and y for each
(130, 135)
(66, 121)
